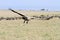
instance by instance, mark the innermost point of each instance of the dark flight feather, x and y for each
(17, 12)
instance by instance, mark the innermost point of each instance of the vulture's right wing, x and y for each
(17, 12)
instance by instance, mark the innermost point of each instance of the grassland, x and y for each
(34, 30)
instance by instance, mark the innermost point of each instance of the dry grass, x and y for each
(34, 30)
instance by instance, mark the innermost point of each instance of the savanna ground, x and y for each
(34, 30)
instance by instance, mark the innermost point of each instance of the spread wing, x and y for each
(16, 12)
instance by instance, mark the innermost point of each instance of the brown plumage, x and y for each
(25, 18)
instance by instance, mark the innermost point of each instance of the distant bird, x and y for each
(25, 18)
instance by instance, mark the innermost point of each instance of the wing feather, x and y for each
(16, 12)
